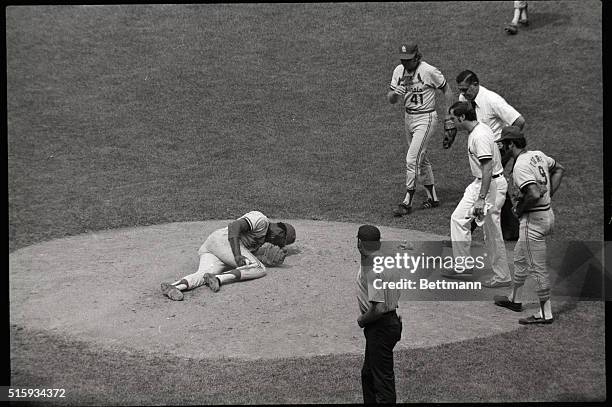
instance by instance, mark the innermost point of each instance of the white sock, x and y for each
(431, 192)
(181, 284)
(517, 14)
(226, 278)
(408, 198)
(547, 309)
(515, 293)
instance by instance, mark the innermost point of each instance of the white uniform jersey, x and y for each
(254, 238)
(420, 86)
(533, 167)
(481, 145)
(493, 110)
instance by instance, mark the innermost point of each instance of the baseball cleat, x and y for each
(496, 284)
(402, 209)
(535, 320)
(524, 22)
(430, 203)
(503, 301)
(454, 274)
(511, 29)
(212, 282)
(171, 292)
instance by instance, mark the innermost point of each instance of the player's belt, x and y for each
(538, 209)
(409, 111)
(494, 176)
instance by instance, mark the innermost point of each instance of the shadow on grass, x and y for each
(540, 21)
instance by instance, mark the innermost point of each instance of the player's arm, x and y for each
(396, 90)
(376, 310)
(487, 174)
(519, 122)
(234, 230)
(449, 98)
(531, 195)
(556, 174)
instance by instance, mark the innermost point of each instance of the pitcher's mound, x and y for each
(104, 287)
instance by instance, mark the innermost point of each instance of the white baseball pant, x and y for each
(216, 257)
(419, 128)
(461, 234)
(530, 251)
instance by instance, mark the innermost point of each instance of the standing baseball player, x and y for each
(237, 252)
(536, 177)
(495, 112)
(416, 82)
(483, 198)
(519, 17)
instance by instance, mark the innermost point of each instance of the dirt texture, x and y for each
(104, 287)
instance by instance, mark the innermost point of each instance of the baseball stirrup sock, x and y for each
(182, 284)
(515, 294)
(229, 276)
(546, 309)
(408, 197)
(431, 192)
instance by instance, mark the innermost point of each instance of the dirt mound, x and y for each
(104, 287)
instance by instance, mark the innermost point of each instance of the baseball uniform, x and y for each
(493, 110)
(533, 167)
(420, 117)
(216, 254)
(481, 146)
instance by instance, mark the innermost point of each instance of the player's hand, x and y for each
(479, 207)
(399, 90)
(450, 132)
(241, 260)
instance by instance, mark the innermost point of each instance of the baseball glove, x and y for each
(450, 132)
(271, 255)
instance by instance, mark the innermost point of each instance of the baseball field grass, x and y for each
(139, 115)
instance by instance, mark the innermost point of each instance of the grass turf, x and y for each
(560, 362)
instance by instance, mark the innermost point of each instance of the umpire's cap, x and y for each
(289, 232)
(408, 51)
(368, 233)
(511, 133)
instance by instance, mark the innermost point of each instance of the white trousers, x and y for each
(419, 128)
(216, 257)
(530, 251)
(461, 234)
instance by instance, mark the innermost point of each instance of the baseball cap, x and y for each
(368, 233)
(511, 133)
(408, 51)
(289, 232)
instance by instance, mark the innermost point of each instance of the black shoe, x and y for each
(430, 203)
(402, 209)
(503, 301)
(535, 320)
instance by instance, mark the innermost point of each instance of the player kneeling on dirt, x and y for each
(241, 251)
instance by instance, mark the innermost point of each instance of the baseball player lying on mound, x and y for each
(241, 251)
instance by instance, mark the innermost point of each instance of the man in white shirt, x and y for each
(484, 197)
(492, 110)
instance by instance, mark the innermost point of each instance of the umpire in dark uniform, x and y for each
(381, 325)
